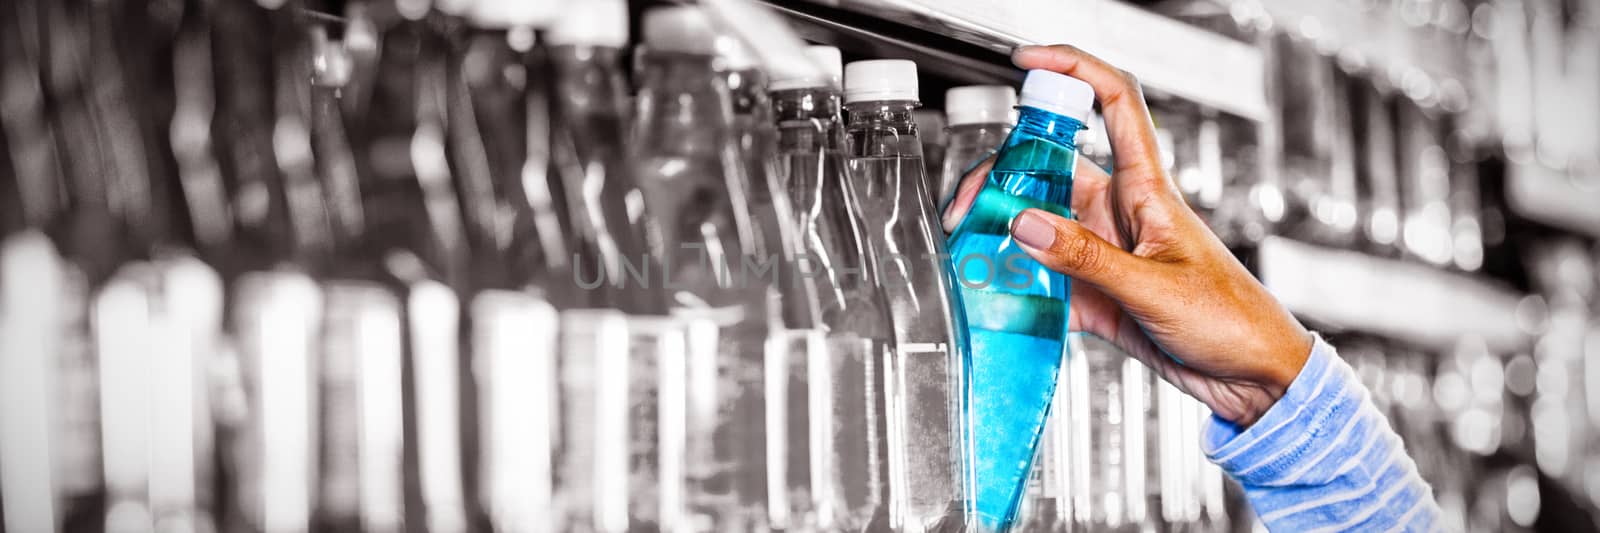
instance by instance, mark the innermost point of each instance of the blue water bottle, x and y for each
(1016, 308)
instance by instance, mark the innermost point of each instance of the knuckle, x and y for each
(1129, 79)
(1082, 253)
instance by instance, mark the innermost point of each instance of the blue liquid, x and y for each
(1017, 314)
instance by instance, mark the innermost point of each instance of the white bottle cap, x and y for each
(458, 8)
(880, 80)
(512, 13)
(592, 23)
(734, 54)
(981, 104)
(683, 29)
(827, 59)
(1058, 93)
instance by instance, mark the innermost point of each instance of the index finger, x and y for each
(1088, 195)
(1128, 123)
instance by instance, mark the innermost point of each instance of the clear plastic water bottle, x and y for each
(610, 345)
(712, 397)
(359, 378)
(31, 276)
(848, 428)
(980, 118)
(498, 130)
(1107, 412)
(887, 176)
(1016, 309)
(802, 338)
(932, 129)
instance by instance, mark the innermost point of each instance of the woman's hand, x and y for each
(1148, 275)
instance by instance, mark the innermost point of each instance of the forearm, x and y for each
(1324, 458)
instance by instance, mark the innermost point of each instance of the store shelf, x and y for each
(1555, 198)
(1392, 298)
(865, 35)
(1169, 57)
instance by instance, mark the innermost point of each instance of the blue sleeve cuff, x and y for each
(1319, 401)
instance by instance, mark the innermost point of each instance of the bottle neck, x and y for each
(1041, 124)
(793, 105)
(808, 119)
(589, 79)
(677, 74)
(895, 114)
(1041, 141)
(683, 107)
(748, 90)
(979, 127)
(340, 186)
(883, 129)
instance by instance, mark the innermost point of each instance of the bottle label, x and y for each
(658, 349)
(121, 323)
(34, 301)
(845, 384)
(362, 406)
(514, 352)
(187, 331)
(592, 455)
(433, 312)
(792, 356)
(277, 313)
(718, 408)
(923, 440)
(78, 469)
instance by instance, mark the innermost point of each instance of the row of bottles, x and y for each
(440, 267)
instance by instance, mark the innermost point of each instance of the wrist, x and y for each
(1286, 359)
(1290, 358)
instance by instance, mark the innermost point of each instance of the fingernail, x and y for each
(949, 217)
(1033, 230)
(958, 206)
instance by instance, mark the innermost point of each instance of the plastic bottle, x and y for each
(980, 118)
(499, 134)
(361, 484)
(276, 300)
(611, 346)
(932, 128)
(712, 401)
(887, 176)
(1016, 308)
(849, 473)
(796, 295)
(36, 303)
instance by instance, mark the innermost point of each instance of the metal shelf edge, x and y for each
(1166, 55)
(1390, 297)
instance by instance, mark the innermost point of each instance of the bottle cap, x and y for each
(1058, 93)
(981, 104)
(734, 54)
(684, 29)
(592, 23)
(457, 8)
(827, 60)
(880, 79)
(512, 13)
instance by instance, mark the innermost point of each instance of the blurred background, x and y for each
(1419, 180)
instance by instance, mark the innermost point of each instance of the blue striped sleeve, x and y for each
(1324, 459)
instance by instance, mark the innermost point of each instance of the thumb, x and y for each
(966, 191)
(1067, 247)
